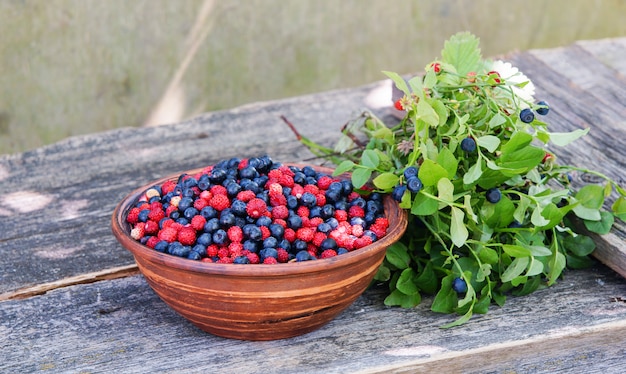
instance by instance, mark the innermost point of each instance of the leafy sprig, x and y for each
(493, 217)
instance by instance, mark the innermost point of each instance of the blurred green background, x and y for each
(70, 67)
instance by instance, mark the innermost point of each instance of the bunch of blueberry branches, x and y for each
(492, 212)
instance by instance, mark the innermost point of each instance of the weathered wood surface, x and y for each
(122, 326)
(56, 204)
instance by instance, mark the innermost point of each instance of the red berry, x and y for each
(398, 104)
(219, 202)
(270, 260)
(167, 187)
(341, 215)
(133, 216)
(283, 255)
(235, 234)
(256, 208)
(324, 182)
(212, 250)
(254, 258)
(280, 212)
(200, 203)
(246, 196)
(198, 222)
(168, 234)
(218, 189)
(138, 231)
(265, 232)
(151, 228)
(328, 253)
(290, 235)
(277, 199)
(356, 211)
(305, 233)
(187, 235)
(318, 238)
(436, 67)
(152, 241)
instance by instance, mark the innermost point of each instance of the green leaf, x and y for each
(462, 51)
(496, 120)
(386, 181)
(515, 269)
(430, 173)
(426, 113)
(564, 138)
(406, 283)
(424, 205)
(579, 245)
(591, 196)
(489, 142)
(518, 141)
(516, 250)
(556, 265)
(345, 166)
(441, 110)
(360, 176)
(398, 256)
(488, 255)
(446, 299)
(603, 226)
(448, 161)
(445, 190)
(427, 279)
(535, 267)
(458, 231)
(619, 208)
(473, 173)
(399, 81)
(370, 159)
(397, 298)
(525, 158)
(585, 213)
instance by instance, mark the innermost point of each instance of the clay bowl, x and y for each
(258, 302)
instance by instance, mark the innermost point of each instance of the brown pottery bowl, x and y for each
(258, 302)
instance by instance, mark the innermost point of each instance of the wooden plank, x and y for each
(120, 325)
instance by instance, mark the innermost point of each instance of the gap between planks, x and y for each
(40, 289)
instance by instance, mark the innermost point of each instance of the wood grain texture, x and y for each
(122, 326)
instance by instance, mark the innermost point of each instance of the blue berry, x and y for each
(220, 237)
(459, 285)
(468, 145)
(328, 243)
(544, 109)
(161, 246)
(398, 192)
(409, 172)
(493, 195)
(303, 256)
(527, 115)
(414, 184)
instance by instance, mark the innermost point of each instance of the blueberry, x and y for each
(315, 211)
(303, 256)
(515, 225)
(264, 221)
(324, 227)
(277, 230)
(332, 222)
(185, 203)
(309, 171)
(335, 186)
(190, 212)
(544, 109)
(143, 215)
(270, 242)
(308, 199)
(299, 178)
(233, 189)
(238, 208)
(203, 182)
(190, 182)
(208, 212)
(414, 184)
(212, 225)
(217, 175)
(347, 186)
(284, 244)
(220, 237)
(161, 246)
(398, 192)
(459, 285)
(328, 243)
(154, 199)
(409, 172)
(341, 251)
(241, 260)
(357, 221)
(175, 214)
(268, 252)
(183, 221)
(493, 195)
(468, 145)
(251, 246)
(374, 206)
(204, 239)
(294, 222)
(371, 234)
(359, 201)
(292, 202)
(252, 232)
(526, 115)
(333, 195)
(193, 255)
(299, 245)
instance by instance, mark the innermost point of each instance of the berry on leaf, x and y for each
(526, 115)
(468, 145)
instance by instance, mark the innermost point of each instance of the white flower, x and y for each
(514, 78)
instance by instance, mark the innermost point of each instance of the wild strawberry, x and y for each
(245, 196)
(198, 222)
(187, 235)
(305, 234)
(357, 230)
(138, 231)
(175, 200)
(324, 182)
(206, 259)
(471, 76)
(151, 228)
(303, 211)
(254, 258)
(297, 191)
(280, 221)
(548, 156)
(356, 211)
(170, 209)
(341, 215)
(436, 67)
(133, 216)
(167, 187)
(321, 199)
(318, 238)
(256, 208)
(200, 203)
(290, 235)
(280, 212)
(277, 199)
(206, 195)
(212, 250)
(235, 249)
(283, 255)
(223, 252)
(286, 181)
(176, 226)
(242, 164)
(265, 232)
(353, 195)
(311, 188)
(225, 260)
(152, 241)
(270, 261)
(219, 202)
(362, 241)
(328, 253)
(378, 229)
(398, 104)
(495, 75)
(314, 222)
(382, 222)
(168, 234)
(218, 189)
(235, 234)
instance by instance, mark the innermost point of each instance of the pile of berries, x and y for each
(250, 211)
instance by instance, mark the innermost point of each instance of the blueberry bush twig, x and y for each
(491, 210)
